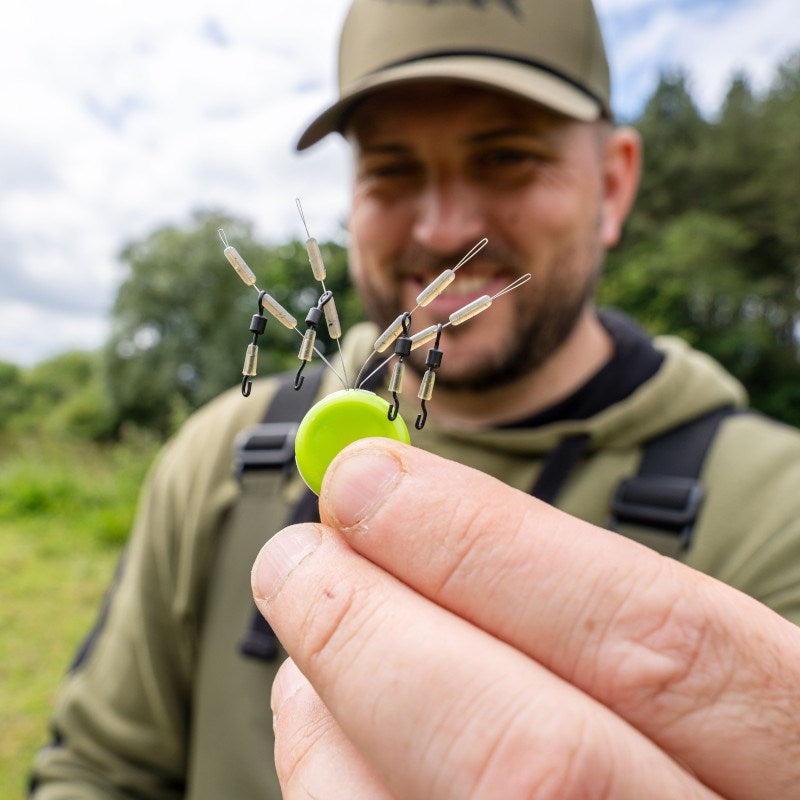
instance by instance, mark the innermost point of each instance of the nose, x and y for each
(449, 216)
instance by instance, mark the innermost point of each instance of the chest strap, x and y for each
(666, 494)
(270, 445)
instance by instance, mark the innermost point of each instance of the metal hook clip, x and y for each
(298, 378)
(258, 324)
(432, 362)
(419, 424)
(394, 408)
(307, 347)
(402, 348)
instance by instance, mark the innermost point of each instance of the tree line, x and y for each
(711, 253)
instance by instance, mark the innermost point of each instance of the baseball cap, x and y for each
(548, 51)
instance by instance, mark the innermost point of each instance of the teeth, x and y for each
(469, 285)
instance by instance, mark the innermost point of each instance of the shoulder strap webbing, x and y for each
(270, 445)
(271, 442)
(558, 465)
(666, 493)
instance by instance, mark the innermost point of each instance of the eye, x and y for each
(505, 155)
(507, 164)
(390, 169)
(390, 177)
(502, 157)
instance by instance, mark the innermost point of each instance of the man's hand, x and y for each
(465, 640)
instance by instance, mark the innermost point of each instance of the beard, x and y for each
(545, 312)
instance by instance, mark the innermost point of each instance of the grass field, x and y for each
(65, 510)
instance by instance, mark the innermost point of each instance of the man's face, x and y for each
(438, 167)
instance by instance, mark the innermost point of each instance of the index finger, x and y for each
(436, 706)
(707, 673)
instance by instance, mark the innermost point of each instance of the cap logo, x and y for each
(509, 5)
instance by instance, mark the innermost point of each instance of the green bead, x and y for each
(336, 421)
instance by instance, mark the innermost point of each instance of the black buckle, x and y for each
(659, 501)
(265, 446)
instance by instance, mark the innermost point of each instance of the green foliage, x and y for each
(181, 319)
(42, 476)
(86, 413)
(63, 396)
(780, 172)
(672, 129)
(65, 510)
(686, 276)
(12, 393)
(712, 249)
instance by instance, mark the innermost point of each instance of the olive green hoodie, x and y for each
(164, 705)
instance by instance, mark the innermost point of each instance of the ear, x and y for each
(622, 161)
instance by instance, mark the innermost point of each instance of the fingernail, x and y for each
(288, 681)
(279, 556)
(358, 483)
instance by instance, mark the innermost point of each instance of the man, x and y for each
(462, 637)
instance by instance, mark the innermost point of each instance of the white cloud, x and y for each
(711, 40)
(123, 117)
(30, 327)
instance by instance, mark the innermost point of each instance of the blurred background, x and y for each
(128, 135)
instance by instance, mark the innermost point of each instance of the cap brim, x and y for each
(527, 81)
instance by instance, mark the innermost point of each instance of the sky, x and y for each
(118, 118)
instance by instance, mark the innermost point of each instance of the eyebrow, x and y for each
(398, 149)
(384, 149)
(392, 149)
(504, 133)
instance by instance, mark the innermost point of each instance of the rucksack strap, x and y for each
(558, 465)
(666, 494)
(270, 445)
(260, 641)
